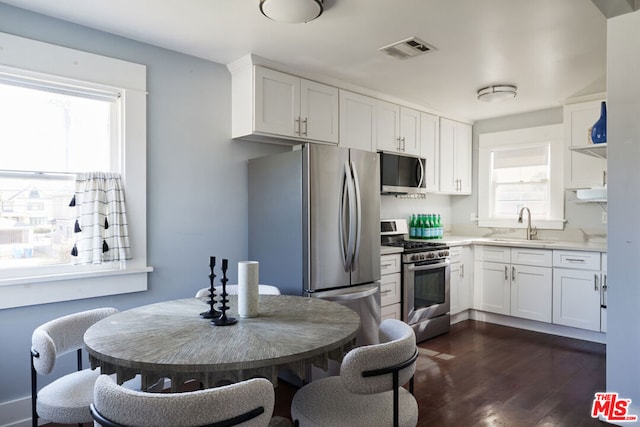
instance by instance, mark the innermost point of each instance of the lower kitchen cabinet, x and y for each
(460, 278)
(576, 289)
(390, 287)
(576, 298)
(518, 290)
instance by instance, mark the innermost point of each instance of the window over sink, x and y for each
(521, 168)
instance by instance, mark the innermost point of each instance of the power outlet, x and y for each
(604, 217)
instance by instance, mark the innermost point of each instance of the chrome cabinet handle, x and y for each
(513, 274)
(461, 271)
(595, 282)
(304, 121)
(297, 126)
(580, 260)
(386, 265)
(404, 146)
(398, 146)
(386, 291)
(506, 273)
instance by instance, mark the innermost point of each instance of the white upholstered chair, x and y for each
(248, 404)
(66, 400)
(233, 290)
(368, 391)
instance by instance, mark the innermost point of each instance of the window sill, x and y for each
(43, 289)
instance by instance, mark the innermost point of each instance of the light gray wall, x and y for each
(585, 217)
(623, 144)
(197, 178)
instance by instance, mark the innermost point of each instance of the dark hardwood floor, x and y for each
(480, 374)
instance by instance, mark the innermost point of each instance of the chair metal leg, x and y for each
(34, 392)
(396, 399)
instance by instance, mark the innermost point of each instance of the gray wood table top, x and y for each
(170, 340)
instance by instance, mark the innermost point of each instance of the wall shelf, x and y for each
(595, 150)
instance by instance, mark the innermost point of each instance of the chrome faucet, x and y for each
(531, 232)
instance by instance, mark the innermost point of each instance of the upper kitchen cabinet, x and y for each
(585, 163)
(398, 129)
(455, 157)
(430, 149)
(270, 106)
(357, 121)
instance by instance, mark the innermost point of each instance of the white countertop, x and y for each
(512, 242)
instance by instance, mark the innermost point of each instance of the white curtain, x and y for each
(101, 225)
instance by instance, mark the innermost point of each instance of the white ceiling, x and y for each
(551, 49)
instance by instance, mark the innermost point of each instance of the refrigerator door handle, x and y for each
(358, 215)
(347, 193)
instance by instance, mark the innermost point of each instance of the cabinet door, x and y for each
(455, 157)
(277, 102)
(462, 161)
(603, 295)
(357, 121)
(393, 311)
(454, 288)
(410, 131)
(531, 292)
(580, 170)
(318, 111)
(466, 276)
(492, 287)
(388, 127)
(430, 150)
(447, 155)
(576, 298)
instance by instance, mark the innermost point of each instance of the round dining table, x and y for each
(171, 340)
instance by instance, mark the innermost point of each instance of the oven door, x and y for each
(426, 290)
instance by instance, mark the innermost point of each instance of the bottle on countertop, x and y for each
(413, 227)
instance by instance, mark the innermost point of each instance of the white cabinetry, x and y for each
(268, 105)
(514, 281)
(430, 150)
(585, 163)
(576, 289)
(455, 157)
(398, 129)
(357, 121)
(460, 278)
(390, 287)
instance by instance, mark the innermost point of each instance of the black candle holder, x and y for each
(223, 320)
(212, 313)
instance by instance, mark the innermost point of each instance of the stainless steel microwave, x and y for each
(401, 174)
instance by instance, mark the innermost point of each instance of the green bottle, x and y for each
(412, 227)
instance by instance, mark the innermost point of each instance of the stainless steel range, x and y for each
(425, 280)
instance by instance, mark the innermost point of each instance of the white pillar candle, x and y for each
(248, 288)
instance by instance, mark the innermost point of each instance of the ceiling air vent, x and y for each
(407, 48)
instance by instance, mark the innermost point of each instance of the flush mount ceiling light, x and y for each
(497, 93)
(293, 11)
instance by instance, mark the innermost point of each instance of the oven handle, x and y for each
(439, 264)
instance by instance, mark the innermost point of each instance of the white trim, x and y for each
(523, 137)
(17, 413)
(130, 79)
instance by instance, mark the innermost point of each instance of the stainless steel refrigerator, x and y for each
(314, 226)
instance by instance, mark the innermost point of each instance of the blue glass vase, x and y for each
(599, 130)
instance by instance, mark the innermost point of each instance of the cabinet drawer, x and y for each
(455, 253)
(493, 253)
(390, 289)
(577, 260)
(536, 257)
(390, 264)
(391, 312)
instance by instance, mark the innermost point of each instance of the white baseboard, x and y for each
(532, 325)
(16, 413)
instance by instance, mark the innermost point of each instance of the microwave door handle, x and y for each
(358, 215)
(343, 196)
(421, 173)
